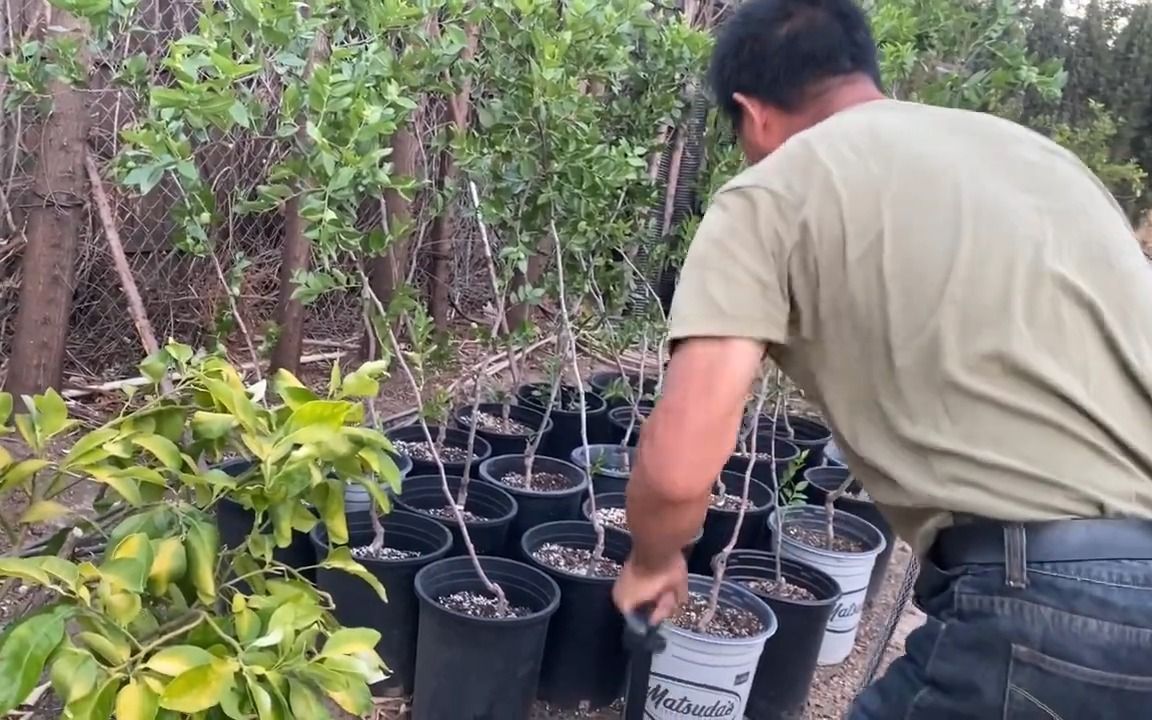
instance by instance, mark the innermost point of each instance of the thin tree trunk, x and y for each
(521, 313)
(295, 257)
(54, 221)
(458, 110)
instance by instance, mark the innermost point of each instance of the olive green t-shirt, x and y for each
(963, 299)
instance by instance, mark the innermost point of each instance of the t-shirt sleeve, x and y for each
(734, 282)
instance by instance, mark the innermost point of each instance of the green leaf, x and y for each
(5, 407)
(333, 512)
(179, 659)
(25, 647)
(349, 641)
(44, 511)
(87, 444)
(162, 448)
(211, 425)
(197, 689)
(98, 705)
(304, 703)
(113, 652)
(341, 559)
(136, 701)
(19, 473)
(74, 673)
(359, 385)
(329, 414)
(154, 367)
(52, 412)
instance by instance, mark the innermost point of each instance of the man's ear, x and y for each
(749, 108)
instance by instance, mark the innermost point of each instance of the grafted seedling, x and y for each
(434, 448)
(830, 508)
(720, 565)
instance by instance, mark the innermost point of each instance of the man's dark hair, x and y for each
(777, 51)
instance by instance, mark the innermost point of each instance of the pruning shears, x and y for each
(642, 639)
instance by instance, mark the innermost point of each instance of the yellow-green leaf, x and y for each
(88, 444)
(304, 703)
(136, 701)
(212, 425)
(27, 428)
(197, 689)
(202, 545)
(20, 472)
(74, 673)
(112, 651)
(348, 641)
(324, 413)
(247, 626)
(5, 407)
(359, 385)
(353, 698)
(341, 559)
(333, 511)
(52, 412)
(162, 448)
(178, 659)
(43, 511)
(5, 460)
(25, 647)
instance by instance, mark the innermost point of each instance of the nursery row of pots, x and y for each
(560, 638)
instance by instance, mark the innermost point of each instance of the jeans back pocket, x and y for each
(1041, 687)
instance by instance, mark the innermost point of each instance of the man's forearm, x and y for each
(661, 525)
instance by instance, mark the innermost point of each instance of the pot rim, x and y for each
(486, 522)
(704, 584)
(577, 488)
(531, 618)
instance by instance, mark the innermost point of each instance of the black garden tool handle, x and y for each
(642, 639)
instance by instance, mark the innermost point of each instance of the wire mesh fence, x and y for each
(185, 296)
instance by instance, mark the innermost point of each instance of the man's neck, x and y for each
(841, 94)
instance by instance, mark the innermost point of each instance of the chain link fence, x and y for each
(185, 296)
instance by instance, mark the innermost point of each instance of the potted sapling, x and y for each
(772, 459)
(482, 619)
(485, 509)
(584, 659)
(808, 434)
(841, 545)
(561, 402)
(714, 639)
(508, 428)
(161, 620)
(821, 482)
(611, 463)
(546, 489)
(801, 596)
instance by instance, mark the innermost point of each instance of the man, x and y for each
(969, 307)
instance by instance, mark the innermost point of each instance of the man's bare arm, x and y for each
(686, 441)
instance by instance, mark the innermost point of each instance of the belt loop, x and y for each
(1015, 556)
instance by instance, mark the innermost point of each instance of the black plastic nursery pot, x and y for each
(356, 496)
(608, 383)
(788, 664)
(453, 438)
(720, 523)
(536, 507)
(565, 435)
(584, 658)
(762, 469)
(807, 434)
(506, 443)
(618, 500)
(485, 500)
(619, 420)
(824, 480)
(610, 465)
(358, 605)
(471, 668)
(234, 521)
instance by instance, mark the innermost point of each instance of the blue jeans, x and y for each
(1074, 644)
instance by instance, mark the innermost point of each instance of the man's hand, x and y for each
(664, 588)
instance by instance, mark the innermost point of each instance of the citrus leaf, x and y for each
(211, 426)
(202, 545)
(197, 689)
(74, 673)
(86, 444)
(304, 703)
(162, 448)
(44, 511)
(348, 641)
(52, 412)
(113, 652)
(179, 659)
(20, 472)
(136, 701)
(341, 559)
(24, 649)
